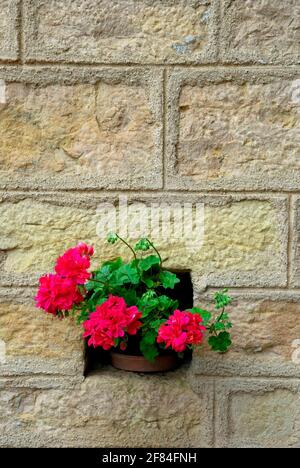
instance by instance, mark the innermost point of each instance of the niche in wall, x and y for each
(95, 359)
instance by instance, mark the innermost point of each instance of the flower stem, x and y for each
(154, 248)
(129, 246)
(221, 316)
(98, 281)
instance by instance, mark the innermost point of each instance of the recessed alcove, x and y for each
(183, 291)
(96, 359)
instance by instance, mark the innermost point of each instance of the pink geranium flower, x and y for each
(180, 330)
(84, 249)
(75, 262)
(57, 294)
(111, 320)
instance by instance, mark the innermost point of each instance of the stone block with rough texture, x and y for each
(37, 343)
(9, 13)
(28, 331)
(265, 336)
(234, 130)
(295, 242)
(243, 242)
(110, 409)
(101, 134)
(176, 120)
(257, 413)
(261, 31)
(114, 31)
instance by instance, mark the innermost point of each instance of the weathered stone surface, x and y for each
(72, 123)
(264, 31)
(69, 370)
(295, 243)
(27, 331)
(241, 244)
(108, 410)
(8, 29)
(257, 414)
(114, 31)
(267, 326)
(235, 131)
(265, 335)
(99, 135)
(36, 344)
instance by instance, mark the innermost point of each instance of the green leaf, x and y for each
(127, 273)
(166, 304)
(205, 314)
(225, 316)
(150, 352)
(149, 306)
(93, 285)
(149, 262)
(103, 275)
(156, 307)
(222, 299)
(168, 279)
(95, 300)
(148, 346)
(155, 325)
(112, 264)
(112, 238)
(100, 300)
(219, 326)
(220, 342)
(130, 297)
(149, 337)
(147, 296)
(148, 282)
(131, 273)
(82, 316)
(142, 244)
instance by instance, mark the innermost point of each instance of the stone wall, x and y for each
(156, 99)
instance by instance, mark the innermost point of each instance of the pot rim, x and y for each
(140, 364)
(142, 358)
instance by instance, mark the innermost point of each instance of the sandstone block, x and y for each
(109, 409)
(257, 414)
(263, 32)
(114, 31)
(241, 243)
(36, 344)
(9, 13)
(104, 134)
(265, 337)
(295, 244)
(27, 331)
(234, 130)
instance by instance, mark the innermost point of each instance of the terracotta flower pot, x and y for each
(140, 364)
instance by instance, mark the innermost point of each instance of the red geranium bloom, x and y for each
(180, 330)
(123, 346)
(132, 317)
(111, 320)
(75, 262)
(84, 249)
(57, 294)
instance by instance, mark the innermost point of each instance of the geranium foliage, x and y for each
(125, 298)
